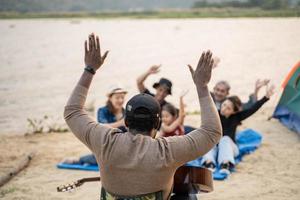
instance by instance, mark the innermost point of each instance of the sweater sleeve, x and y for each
(85, 128)
(198, 142)
(251, 101)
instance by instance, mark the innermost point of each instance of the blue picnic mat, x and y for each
(78, 167)
(247, 140)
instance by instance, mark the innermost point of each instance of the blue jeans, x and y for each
(188, 129)
(225, 151)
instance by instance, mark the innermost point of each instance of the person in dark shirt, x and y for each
(231, 116)
(163, 87)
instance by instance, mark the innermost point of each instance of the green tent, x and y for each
(288, 108)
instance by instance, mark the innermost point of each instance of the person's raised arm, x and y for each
(248, 112)
(201, 140)
(141, 79)
(181, 114)
(210, 120)
(75, 116)
(179, 121)
(254, 96)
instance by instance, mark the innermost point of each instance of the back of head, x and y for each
(237, 103)
(142, 114)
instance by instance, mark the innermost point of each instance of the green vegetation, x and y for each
(264, 4)
(194, 13)
(195, 112)
(50, 124)
(147, 9)
(45, 125)
(4, 192)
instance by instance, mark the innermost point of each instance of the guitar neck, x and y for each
(91, 179)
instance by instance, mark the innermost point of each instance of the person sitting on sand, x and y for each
(163, 87)
(231, 116)
(172, 120)
(134, 165)
(222, 88)
(111, 115)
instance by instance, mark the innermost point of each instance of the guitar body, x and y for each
(192, 180)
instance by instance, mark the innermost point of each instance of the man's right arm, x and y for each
(200, 141)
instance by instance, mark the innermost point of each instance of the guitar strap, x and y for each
(151, 196)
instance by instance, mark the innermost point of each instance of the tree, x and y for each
(274, 4)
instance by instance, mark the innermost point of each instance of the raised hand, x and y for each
(154, 69)
(216, 62)
(183, 93)
(202, 74)
(92, 57)
(259, 83)
(270, 91)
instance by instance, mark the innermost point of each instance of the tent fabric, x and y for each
(288, 108)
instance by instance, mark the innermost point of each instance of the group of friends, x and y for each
(140, 147)
(232, 111)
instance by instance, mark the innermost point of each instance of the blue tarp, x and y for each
(288, 118)
(247, 140)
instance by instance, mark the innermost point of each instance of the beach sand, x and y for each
(272, 172)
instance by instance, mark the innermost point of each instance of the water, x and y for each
(41, 60)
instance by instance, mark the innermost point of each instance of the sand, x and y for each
(272, 172)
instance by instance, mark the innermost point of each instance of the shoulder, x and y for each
(103, 109)
(146, 91)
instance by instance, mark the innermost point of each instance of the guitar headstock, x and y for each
(69, 187)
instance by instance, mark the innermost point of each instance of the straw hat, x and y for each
(116, 89)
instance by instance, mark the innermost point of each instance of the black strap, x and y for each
(90, 69)
(104, 193)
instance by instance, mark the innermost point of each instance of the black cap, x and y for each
(164, 82)
(145, 101)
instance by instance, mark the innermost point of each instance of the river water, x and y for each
(42, 59)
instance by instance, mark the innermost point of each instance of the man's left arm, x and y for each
(81, 124)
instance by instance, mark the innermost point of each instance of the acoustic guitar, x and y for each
(192, 180)
(78, 183)
(187, 179)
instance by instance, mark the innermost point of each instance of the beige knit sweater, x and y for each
(138, 164)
